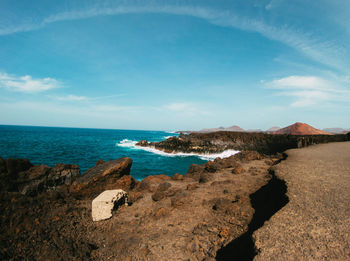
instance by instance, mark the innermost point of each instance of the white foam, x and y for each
(167, 137)
(127, 143)
(206, 156)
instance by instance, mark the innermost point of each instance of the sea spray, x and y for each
(204, 156)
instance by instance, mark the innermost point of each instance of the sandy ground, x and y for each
(315, 224)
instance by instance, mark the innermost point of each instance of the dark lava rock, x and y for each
(99, 162)
(216, 142)
(14, 166)
(20, 175)
(142, 143)
(2, 165)
(102, 177)
(195, 171)
(41, 178)
(211, 167)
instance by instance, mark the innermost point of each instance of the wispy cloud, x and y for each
(186, 109)
(70, 97)
(318, 47)
(80, 98)
(308, 90)
(27, 84)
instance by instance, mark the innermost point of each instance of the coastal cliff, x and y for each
(220, 141)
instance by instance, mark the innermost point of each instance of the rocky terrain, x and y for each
(220, 141)
(169, 218)
(212, 212)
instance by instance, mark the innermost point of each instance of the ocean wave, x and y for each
(127, 143)
(167, 137)
(207, 156)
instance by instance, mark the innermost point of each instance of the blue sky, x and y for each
(175, 64)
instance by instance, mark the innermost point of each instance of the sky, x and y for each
(175, 65)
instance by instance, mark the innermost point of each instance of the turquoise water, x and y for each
(51, 145)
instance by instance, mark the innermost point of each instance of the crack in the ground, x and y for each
(266, 201)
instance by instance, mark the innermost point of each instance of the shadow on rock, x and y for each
(266, 202)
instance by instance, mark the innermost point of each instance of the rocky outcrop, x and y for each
(220, 141)
(41, 178)
(114, 174)
(19, 175)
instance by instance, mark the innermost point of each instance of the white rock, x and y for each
(103, 204)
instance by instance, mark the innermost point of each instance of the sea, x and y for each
(84, 147)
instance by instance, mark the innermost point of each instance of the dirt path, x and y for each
(315, 224)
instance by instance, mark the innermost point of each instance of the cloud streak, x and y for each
(314, 46)
(27, 84)
(309, 90)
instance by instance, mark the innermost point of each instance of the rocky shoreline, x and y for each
(217, 142)
(209, 213)
(179, 217)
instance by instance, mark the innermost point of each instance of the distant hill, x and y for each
(301, 129)
(272, 129)
(254, 130)
(337, 130)
(232, 128)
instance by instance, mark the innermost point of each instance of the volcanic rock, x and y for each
(142, 143)
(103, 177)
(264, 143)
(99, 162)
(14, 166)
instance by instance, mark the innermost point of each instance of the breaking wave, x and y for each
(132, 145)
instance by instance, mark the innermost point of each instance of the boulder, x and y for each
(14, 166)
(151, 182)
(103, 205)
(194, 171)
(63, 174)
(41, 178)
(102, 177)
